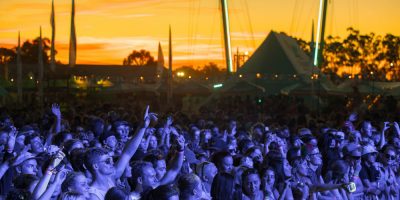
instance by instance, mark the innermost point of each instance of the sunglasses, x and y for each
(390, 157)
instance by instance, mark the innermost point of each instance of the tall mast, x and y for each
(169, 90)
(53, 36)
(19, 70)
(320, 32)
(227, 38)
(40, 77)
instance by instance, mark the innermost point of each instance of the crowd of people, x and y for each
(274, 148)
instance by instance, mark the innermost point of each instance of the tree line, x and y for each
(377, 57)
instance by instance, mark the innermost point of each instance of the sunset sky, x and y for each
(108, 30)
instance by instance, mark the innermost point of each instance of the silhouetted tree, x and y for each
(139, 58)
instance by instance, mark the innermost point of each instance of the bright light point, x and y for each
(206, 78)
(141, 78)
(218, 85)
(391, 64)
(276, 75)
(37, 82)
(258, 75)
(31, 77)
(180, 74)
(240, 76)
(246, 53)
(190, 77)
(350, 76)
(294, 75)
(372, 73)
(12, 80)
(158, 75)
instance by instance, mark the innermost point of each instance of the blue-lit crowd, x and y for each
(236, 148)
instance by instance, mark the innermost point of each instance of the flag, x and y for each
(53, 36)
(72, 41)
(19, 70)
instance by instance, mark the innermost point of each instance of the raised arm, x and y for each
(44, 181)
(176, 163)
(55, 109)
(132, 145)
(59, 179)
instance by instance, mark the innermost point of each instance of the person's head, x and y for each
(26, 182)
(163, 192)
(143, 176)
(3, 137)
(72, 144)
(223, 186)
(28, 166)
(369, 154)
(97, 126)
(122, 129)
(116, 193)
(245, 145)
(255, 154)
(206, 171)
(72, 196)
(98, 162)
(75, 182)
(18, 194)
(268, 178)
(251, 182)
(190, 187)
(355, 136)
(352, 153)
(313, 156)
(35, 142)
(232, 143)
(389, 156)
(366, 128)
(282, 169)
(153, 143)
(300, 167)
(246, 161)
(158, 163)
(224, 161)
(109, 140)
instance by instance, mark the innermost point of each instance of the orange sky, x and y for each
(108, 30)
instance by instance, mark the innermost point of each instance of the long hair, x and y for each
(223, 187)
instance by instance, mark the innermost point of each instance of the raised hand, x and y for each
(11, 139)
(57, 160)
(148, 117)
(21, 157)
(60, 176)
(180, 141)
(386, 126)
(353, 117)
(170, 120)
(55, 109)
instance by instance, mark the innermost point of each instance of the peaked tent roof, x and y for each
(279, 54)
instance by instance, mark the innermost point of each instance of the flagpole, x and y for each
(72, 42)
(19, 70)
(160, 64)
(53, 37)
(40, 78)
(169, 92)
